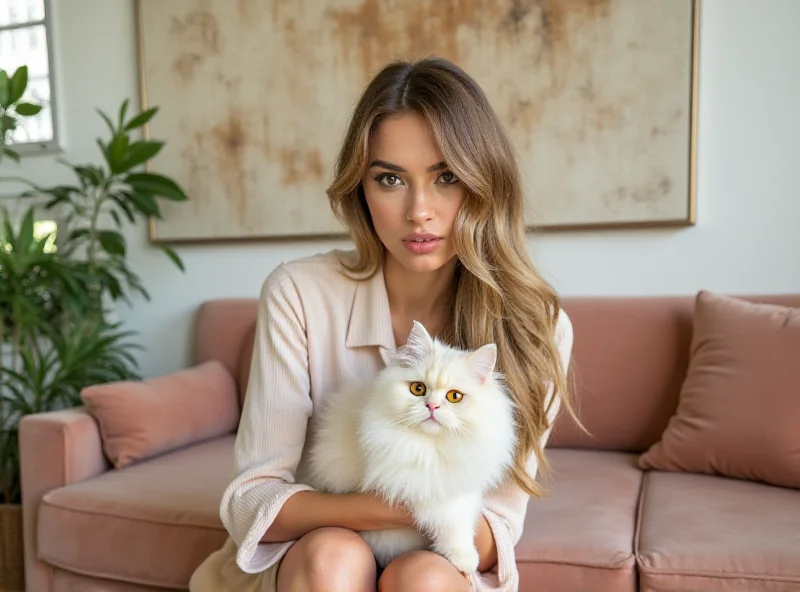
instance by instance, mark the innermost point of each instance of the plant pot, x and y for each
(12, 568)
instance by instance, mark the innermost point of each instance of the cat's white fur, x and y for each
(378, 437)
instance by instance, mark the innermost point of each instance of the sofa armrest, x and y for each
(56, 448)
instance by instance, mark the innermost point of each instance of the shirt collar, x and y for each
(370, 318)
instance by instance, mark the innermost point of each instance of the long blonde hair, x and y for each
(499, 297)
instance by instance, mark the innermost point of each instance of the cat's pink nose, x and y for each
(433, 407)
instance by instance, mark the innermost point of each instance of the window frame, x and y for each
(54, 144)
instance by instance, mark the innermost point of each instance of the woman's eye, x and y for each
(454, 396)
(448, 178)
(388, 180)
(417, 389)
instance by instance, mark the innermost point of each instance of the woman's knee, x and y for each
(422, 571)
(328, 559)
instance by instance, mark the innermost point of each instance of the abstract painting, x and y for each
(598, 98)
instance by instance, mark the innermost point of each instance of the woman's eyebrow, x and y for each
(393, 167)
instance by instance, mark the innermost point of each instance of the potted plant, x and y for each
(12, 111)
(55, 295)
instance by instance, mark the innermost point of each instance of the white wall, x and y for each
(746, 238)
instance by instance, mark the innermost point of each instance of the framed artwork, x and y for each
(598, 97)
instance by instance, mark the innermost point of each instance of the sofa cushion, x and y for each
(743, 366)
(151, 523)
(704, 532)
(139, 419)
(580, 536)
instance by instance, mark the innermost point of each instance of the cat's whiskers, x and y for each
(406, 420)
(403, 425)
(460, 431)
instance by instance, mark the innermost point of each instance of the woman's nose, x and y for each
(419, 210)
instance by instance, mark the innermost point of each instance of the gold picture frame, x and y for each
(253, 111)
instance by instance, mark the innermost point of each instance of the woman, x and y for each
(427, 184)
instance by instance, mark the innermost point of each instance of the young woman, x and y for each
(427, 183)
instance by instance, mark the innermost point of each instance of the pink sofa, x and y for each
(606, 525)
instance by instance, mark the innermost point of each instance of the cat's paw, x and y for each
(465, 558)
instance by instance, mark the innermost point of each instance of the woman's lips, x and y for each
(422, 246)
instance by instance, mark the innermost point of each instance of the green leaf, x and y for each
(122, 201)
(145, 203)
(122, 110)
(138, 153)
(55, 201)
(11, 154)
(60, 194)
(19, 81)
(172, 255)
(104, 150)
(90, 175)
(77, 234)
(108, 122)
(116, 218)
(40, 244)
(26, 231)
(112, 242)
(7, 123)
(117, 150)
(8, 231)
(141, 119)
(112, 284)
(27, 109)
(5, 89)
(157, 185)
(135, 282)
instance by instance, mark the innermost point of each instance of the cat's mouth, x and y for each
(430, 425)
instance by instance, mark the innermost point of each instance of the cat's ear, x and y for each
(482, 361)
(419, 342)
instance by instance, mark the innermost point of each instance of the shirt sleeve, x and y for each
(506, 505)
(272, 429)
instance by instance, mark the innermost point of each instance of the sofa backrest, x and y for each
(224, 331)
(629, 360)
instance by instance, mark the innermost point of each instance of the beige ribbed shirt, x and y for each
(317, 329)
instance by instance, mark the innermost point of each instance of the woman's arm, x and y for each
(308, 510)
(273, 425)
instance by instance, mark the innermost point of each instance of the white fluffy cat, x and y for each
(434, 430)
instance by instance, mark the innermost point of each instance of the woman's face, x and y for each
(411, 194)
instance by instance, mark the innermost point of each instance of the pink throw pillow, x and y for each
(740, 402)
(140, 419)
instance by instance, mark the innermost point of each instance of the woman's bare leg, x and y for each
(422, 571)
(328, 560)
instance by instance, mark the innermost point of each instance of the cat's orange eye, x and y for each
(418, 389)
(454, 396)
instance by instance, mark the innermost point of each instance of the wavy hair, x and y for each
(499, 296)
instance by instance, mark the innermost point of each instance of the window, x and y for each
(25, 41)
